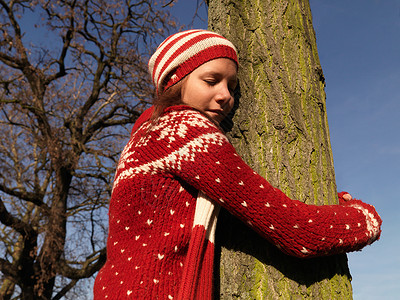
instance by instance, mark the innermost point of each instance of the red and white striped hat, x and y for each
(185, 51)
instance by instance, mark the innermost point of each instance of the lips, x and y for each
(217, 111)
(216, 114)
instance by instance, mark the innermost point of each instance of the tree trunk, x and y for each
(281, 130)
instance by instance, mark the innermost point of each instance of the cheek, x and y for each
(198, 98)
(230, 105)
(187, 96)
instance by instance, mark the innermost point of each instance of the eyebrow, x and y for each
(215, 73)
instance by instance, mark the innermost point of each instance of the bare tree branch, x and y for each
(90, 266)
(65, 101)
(7, 269)
(65, 289)
(7, 219)
(32, 197)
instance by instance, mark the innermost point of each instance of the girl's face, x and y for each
(209, 88)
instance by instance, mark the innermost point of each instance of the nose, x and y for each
(224, 94)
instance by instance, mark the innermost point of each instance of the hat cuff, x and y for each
(214, 52)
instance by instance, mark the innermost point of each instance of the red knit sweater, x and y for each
(158, 249)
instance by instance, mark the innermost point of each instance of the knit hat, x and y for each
(185, 51)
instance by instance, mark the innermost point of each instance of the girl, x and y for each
(177, 170)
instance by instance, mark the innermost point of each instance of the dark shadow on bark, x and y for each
(234, 235)
(227, 123)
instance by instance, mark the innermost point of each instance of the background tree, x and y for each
(68, 86)
(281, 130)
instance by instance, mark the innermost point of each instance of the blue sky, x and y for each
(359, 48)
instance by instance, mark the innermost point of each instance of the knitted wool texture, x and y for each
(183, 52)
(155, 250)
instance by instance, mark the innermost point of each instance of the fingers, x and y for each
(347, 197)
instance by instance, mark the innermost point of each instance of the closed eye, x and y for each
(211, 81)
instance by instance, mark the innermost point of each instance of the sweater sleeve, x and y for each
(187, 145)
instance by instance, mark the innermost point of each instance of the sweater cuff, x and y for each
(372, 218)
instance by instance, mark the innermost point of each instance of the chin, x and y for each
(217, 119)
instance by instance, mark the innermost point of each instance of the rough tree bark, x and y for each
(281, 130)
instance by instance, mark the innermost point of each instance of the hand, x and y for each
(347, 197)
(344, 197)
